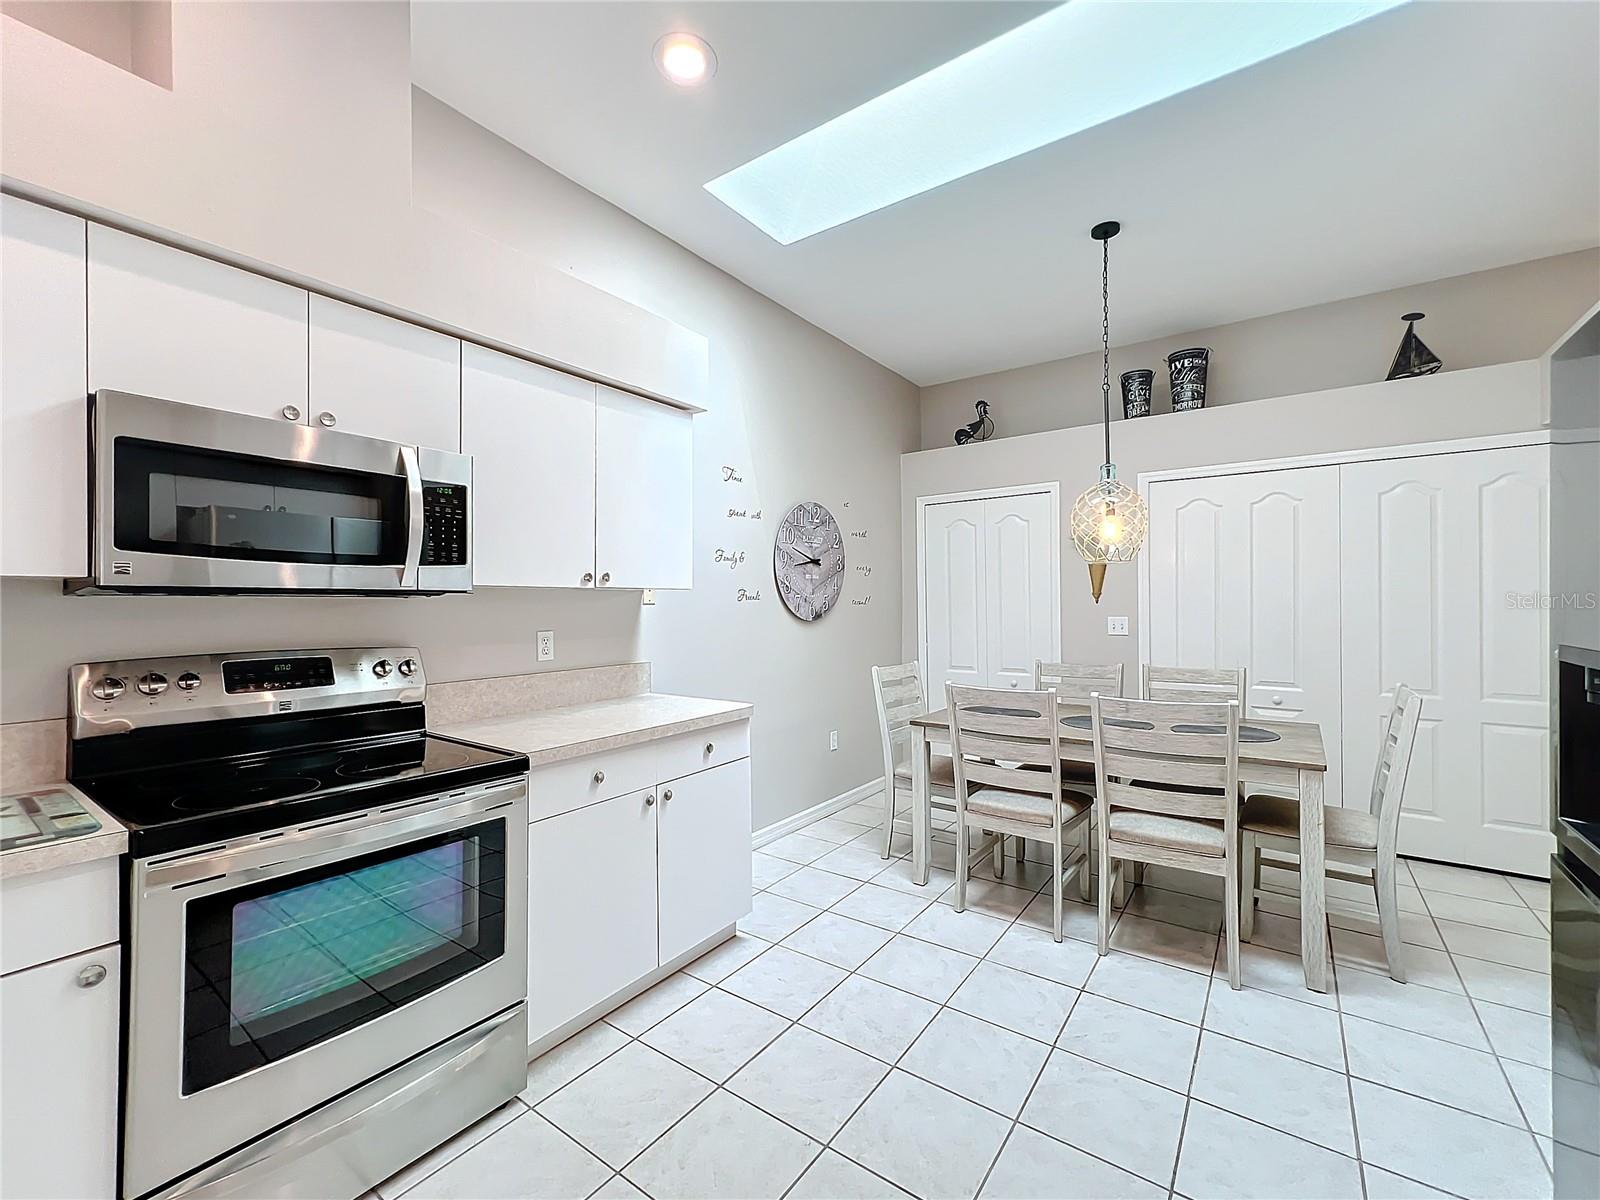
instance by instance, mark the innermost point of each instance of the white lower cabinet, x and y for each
(619, 888)
(702, 856)
(58, 1089)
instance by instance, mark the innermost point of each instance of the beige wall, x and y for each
(1505, 315)
(1460, 404)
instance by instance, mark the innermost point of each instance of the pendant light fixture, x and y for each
(1110, 519)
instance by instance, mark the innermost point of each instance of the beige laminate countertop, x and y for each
(108, 841)
(553, 734)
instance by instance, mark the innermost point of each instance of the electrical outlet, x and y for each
(1118, 626)
(647, 596)
(547, 645)
(833, 739)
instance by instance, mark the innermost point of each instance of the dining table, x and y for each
(1275, 755)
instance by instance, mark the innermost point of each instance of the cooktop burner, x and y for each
(232, 794)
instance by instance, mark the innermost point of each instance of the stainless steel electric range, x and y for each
(325, 917)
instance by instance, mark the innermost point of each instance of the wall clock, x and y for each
(808, 560)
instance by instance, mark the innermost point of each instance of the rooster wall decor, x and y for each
(979, 430)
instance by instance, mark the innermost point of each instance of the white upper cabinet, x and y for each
(43, 437)
(531, 434)
(383, 378)
(644, 493)
(180, 327)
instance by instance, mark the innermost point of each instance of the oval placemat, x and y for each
(1084, 721)
(1247, 733)
(994, 711)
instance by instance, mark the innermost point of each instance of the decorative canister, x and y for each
(1136, 387)
(1187, 369)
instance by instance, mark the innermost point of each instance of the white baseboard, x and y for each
(827, 808)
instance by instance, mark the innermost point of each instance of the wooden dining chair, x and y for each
(1167, 792)
(898, 693)
(1078, 681)
(991, 727)
(1360, 847)
(1195, 685)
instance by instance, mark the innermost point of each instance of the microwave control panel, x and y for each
(444, 525)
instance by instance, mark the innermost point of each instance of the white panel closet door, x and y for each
(955, 597)
(1020, 587)
(1244, 571)
(1435, 551)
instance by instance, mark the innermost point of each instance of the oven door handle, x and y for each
(414, 516)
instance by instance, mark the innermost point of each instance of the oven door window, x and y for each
(208, 504)
(276, 967)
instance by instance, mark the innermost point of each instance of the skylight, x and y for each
(1075, 67)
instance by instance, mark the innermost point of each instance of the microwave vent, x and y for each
(122, 568)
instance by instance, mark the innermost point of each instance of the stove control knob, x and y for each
(383, 668)
(188, 681)
(408, 667)
(108, 688)
(153, 683)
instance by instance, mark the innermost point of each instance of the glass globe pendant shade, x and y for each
(1109, 521)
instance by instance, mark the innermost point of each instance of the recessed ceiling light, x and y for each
(1079, 65)
(685, 59)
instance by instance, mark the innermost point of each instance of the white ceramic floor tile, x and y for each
(618, 1188)
(1035, 1167)
(816, 887)
(835, 1177)
(812, 1082)
(619, 1107)
(1416, 929)
(798, 848)
(1411, 900)
(561, 1064)
(1277, 932)
(899, 875)
(1228, 1158)
(1154, 1048)
(989, 1065)
(1113, 1116)
(1462, 881)
(1386, 1185)
(872, 840)
(838, 940)
(1171, 944)
(773, 917)
(1273, 1089)
(1424, 967)
(1015, 1000)
(1512, 949)
(928, 1141)
(872, 1017)
(969, 932)
(1515, 1034)
(1078, 920)
(1427, 1067)
(529, 1159)
(1026, 948)
(784, 982)
(767, 869)
(1532, 1088)
(1513, 917)
(1190, 883)
(994, 898)
(656, 1004)
(404, 1180)
(1470, 1156)
(1409, 1006)
(1148, 984)
(834, 829)
(716, 1034)
(1176, 908)
(1510, 986)
(717, 964)
(932, 972)
(1269, 970)
(855, 861)
(1535, 893)
(1305, 1031)
(724, 1150)
(881, 906)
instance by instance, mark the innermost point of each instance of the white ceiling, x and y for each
(1434, 140)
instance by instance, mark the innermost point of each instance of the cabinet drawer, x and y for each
(564, 786)
(700, 751)
(52, 914)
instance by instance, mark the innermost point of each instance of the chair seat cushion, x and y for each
(1280, 817)
(941, 774)
(1030, 808)
(1188, 834)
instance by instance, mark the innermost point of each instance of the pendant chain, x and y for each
(1105, 339)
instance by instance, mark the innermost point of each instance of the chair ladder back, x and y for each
(1078, 681)
(1394, 764)
(1187, 774)
(1204, 685)
(990, 726)
(897, 692)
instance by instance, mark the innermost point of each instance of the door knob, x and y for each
(291, 413)
(91, 976)
(1013, 683)
(327, 420)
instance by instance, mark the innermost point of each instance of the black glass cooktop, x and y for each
(178, 805)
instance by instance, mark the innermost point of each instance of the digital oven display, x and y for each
(276, 674)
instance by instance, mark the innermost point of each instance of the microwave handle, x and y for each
(413, 473)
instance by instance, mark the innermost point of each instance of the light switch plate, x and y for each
(547, 645)
(1117, 626)
(833, 739)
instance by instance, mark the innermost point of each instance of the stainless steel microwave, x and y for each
(186, 499)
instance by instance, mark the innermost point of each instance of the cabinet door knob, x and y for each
(666, 795)
(711, 747)
(605, 578)
(588, 576)
(91, 976)
(599, 776)
(1277, 699)
(649, 801)
(291, 413)
(327, 420)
